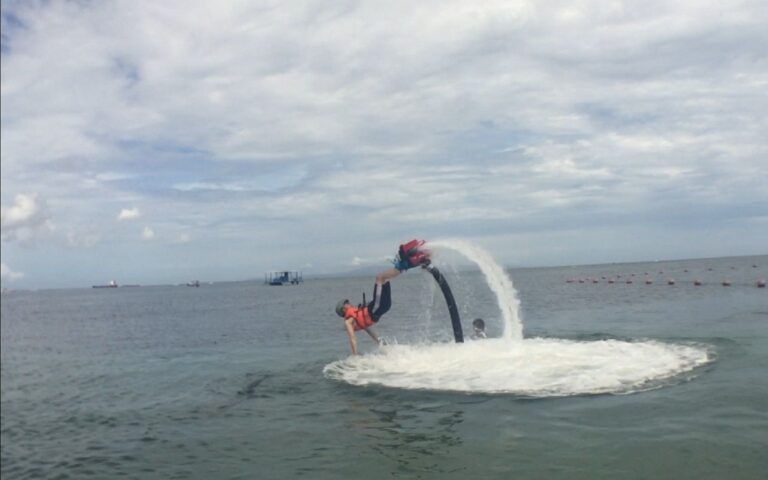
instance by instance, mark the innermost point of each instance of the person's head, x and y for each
(478, 324)
(341, 307)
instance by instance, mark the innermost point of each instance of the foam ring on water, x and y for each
(536, 367)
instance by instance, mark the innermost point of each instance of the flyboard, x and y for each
(453, 311)
(410, 252)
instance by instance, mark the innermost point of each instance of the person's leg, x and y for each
(382, 301)
(386, 276)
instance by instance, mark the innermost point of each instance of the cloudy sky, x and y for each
(160, 142)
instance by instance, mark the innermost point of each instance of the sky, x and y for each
(160, 142)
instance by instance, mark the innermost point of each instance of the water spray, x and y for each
(498, 281)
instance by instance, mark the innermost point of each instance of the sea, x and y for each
(629, 371)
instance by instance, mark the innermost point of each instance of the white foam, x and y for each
(533, 367)
(498, 281)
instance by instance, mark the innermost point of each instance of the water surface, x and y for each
(227, 381)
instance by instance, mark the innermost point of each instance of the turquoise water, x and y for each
(231, 380)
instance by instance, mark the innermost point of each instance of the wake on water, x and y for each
(534, 367)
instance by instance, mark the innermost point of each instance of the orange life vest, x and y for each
(362, 317)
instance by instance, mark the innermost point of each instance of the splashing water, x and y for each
(534, 367)
(499, 282)
(537, 367)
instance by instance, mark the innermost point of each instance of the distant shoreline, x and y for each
(374, 269)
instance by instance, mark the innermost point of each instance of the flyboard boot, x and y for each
(410, 255)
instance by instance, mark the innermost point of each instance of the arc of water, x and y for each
(498, 281)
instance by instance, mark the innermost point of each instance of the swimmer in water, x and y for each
(479, 329)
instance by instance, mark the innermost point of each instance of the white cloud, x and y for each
(184, 238)
(263, 120)
(9, 275)
(187, 187)
(27, 211)
(147, 233)
(27, 217)
(85, 239)
(129, 214)
(360, 262)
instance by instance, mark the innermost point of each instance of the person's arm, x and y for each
(349, 323)
(373, 335)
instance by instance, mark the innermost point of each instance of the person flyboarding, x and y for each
(365, 315)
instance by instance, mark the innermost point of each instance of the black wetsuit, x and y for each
(381, 302)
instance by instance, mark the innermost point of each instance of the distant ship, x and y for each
(283, 278)
(194, 283)
(112, 284)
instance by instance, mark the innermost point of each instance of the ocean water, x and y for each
(246, 381)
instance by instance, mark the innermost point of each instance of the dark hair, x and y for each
(478, 323)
